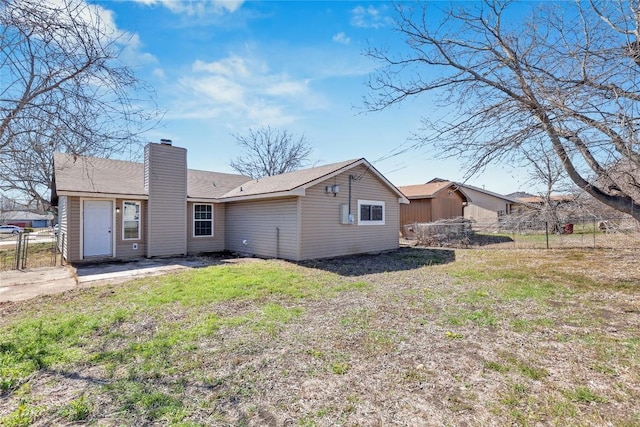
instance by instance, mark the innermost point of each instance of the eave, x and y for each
(95, 195)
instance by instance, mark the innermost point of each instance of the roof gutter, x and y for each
(100, 195)
(297, 192)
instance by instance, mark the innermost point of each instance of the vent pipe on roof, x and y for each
(165, 141)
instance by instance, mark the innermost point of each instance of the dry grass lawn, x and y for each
(416, 337)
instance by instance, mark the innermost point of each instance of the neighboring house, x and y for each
(556, 211)
(26, 219)
(486, 207)
(443, 199)
(118, 209)
(531, 200)
(431, 202)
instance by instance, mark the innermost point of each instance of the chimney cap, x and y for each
(165, 141)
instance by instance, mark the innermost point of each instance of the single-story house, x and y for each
(529, 208)
(481, 206)
(486, 207)
(525, 200)
(431, 202)
(118, 209)
(26, 219)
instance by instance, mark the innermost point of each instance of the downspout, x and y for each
(350, 179)
(277, 240)
(350, 217)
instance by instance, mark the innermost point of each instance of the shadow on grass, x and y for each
(109, 265)
(488, 239)
(405, 258)
(398, 260)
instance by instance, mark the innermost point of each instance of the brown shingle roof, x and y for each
(288, 181)
(424, 191)
(539, 200)
(108, 176)
(116, 177)
(205, 184)
(96, 175)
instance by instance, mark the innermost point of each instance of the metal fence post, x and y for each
(546, 232)
(62, 236)
(25, 250)
(18, 250)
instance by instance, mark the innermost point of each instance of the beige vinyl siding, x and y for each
(124, 248)
(63, 226)
(322, 234)
(166, 177)
(203, 244)
(269, 227)
(73, 229)
(147, 173)
(484, 208)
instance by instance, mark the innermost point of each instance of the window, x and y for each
(202, 220)
(370, 212)
(131, 220)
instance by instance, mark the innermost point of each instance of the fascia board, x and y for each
(332, 174)
(401, 197)
(89, 195)
(202, 200)
(300, 191)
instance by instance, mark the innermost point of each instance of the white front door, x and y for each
(96, 230)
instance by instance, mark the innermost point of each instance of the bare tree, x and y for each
(545, 168)
(62, 88)
(269, 152)
(567, 74)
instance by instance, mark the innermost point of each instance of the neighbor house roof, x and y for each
(24, 216)
(490, 193)
(295, 183)
(538, 199)
(91, 175)
(428, 190)
(462, 187)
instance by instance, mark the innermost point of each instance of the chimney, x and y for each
(165, 181)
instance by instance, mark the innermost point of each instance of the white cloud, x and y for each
(242, 88)
(103, 20)
(196, 7)
(284, 87)
(159, 73)
(232, 66)
(218, 90)
(132, 50)
(341, 38)
(370, 17)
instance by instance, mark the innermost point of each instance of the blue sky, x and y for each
(220, 68)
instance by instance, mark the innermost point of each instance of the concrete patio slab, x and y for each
(19, 285)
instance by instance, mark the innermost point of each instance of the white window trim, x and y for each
(372, 202)
(193, 220)
(139, 220)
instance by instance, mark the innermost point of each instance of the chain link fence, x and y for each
(29, 250)
(515, 233)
